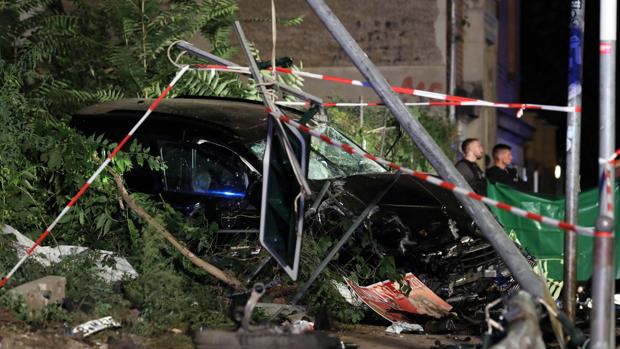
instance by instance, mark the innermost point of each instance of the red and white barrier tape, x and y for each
(450, 99)
(609, 189)
(614, 157)
(606, 178)
(364, 104)
(93, 177)
(521, 107)
(438, 182)
(343, 146)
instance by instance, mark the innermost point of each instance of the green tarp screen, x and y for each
(547, 243)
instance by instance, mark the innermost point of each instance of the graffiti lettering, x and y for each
(433, 86)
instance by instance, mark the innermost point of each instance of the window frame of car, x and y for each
(199, 144)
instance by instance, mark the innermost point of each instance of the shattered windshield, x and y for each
(330, 162)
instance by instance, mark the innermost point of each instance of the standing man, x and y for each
(501, 173)
(467, 166)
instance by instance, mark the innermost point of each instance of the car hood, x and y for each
(408, 194)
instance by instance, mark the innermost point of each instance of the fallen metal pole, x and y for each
(304, 96)
(481, 215)
(603, 317)
(573, 148)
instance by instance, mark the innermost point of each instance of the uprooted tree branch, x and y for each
(209, 268)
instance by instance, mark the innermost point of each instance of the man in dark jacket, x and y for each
(467, 166)
(501, 172)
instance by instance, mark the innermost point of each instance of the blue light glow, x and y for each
(224, 193)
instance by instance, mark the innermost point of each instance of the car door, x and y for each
(207, 176)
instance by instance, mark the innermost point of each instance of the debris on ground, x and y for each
(348, 294)
(302, 326)
(38, 294)
(374, 337)
(387, 300)
(93, 326)
(400, 327)
(291, 312)
(46, 255)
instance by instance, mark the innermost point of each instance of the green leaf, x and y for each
(387, 268)
(100, 221)
(106, 226)
(54, 159)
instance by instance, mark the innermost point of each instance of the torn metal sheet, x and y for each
(386, 299)
(47, 256)
(94, 326)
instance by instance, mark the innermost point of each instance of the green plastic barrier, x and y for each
(547, 243)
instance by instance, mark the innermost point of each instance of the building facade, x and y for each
(410, 42)
(405, 39)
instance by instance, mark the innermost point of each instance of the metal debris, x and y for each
(399, 327)
(93, 326)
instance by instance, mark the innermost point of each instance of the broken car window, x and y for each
(335, 160)
(329, 162)
(204, 170)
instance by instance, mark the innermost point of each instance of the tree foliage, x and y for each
(97, 51)
(56, 57)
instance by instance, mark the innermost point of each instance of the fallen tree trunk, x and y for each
(209, 268)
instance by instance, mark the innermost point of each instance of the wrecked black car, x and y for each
(214, 149)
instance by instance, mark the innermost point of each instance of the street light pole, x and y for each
(573, 148)
(602, 326)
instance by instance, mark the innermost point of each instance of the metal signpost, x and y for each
(489, 227)
(602, 326)
(452, 76)
(573, 148)
(291, 266)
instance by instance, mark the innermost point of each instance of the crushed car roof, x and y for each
(246, 118)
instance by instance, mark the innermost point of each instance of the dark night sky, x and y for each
(544, 72)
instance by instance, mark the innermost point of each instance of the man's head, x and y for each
(502, 155)
(472, 149)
